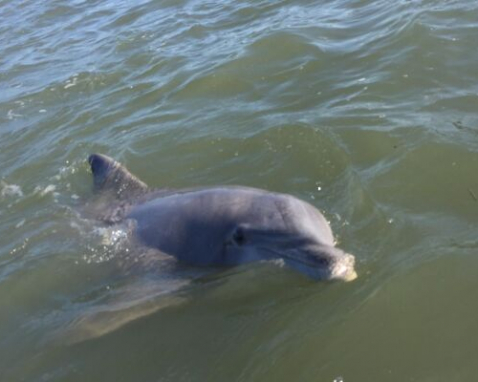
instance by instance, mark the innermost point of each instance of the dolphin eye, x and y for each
(239, 237)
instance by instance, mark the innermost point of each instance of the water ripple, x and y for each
(367, 109)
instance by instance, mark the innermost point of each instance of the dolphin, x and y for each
(221, 226)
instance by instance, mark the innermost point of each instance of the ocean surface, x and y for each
(368, 109)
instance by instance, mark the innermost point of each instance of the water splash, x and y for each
(10, 190)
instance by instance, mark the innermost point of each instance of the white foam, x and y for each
(11, 115)
(70, 83)
(279, 262)
(111, 236)
(47, 190)
(11, 189)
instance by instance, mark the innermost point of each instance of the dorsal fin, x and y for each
(111, 175)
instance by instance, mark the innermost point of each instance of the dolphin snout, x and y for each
(322, 262)
(344, 269)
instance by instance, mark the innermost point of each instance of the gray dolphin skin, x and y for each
(222, 226)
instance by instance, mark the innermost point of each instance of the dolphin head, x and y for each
(293, 231)
(299, 251)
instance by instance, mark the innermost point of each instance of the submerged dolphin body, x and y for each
(222, 226)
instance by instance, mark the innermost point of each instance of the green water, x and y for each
(366, 109)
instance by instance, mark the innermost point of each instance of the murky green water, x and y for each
(367, 109)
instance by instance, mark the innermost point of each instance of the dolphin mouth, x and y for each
(351, 276)
(342, 270)
(345, 270)
(346, 274)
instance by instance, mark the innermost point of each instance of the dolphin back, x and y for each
(111, 176)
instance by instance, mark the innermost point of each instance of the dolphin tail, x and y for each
(112, 176)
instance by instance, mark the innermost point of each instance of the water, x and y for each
(367, 109)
